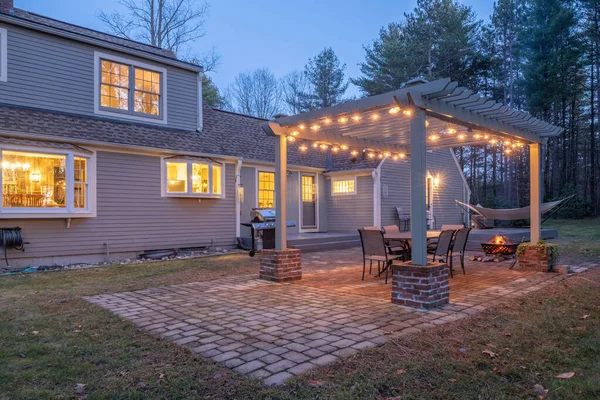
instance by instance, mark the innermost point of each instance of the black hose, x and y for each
(11, 237)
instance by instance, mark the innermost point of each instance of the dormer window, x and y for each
(130, 89)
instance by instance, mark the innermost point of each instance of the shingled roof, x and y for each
(224, 134)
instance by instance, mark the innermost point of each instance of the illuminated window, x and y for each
(308, 188)
(193, 178)
(43, 181)
(343, 186)
(266, 190)
(129, 88)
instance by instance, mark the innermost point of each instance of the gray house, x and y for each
(108, 151)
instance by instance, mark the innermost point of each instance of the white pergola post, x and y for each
(535, 192)
(418, 181)
(280, 192)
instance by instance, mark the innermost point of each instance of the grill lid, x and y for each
(262, 214)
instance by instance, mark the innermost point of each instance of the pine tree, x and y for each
(325, 75)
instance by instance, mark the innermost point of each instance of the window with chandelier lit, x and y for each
(192, 178)
(45, 182)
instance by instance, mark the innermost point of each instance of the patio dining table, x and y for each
(407, 235)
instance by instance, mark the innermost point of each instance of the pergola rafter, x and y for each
(421, 116)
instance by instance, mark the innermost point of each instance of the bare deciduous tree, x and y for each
(294, 87)
(256, 93)
(168, 24)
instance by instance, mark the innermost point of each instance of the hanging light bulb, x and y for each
(433, 138)
(486, 137)
(295, 133)
(507, 151)
(493, 141)
(387, 153)
(507, 142)
(343, 120)
(303, 148)
(394, 110)
(301, 127)
(477, 136)
(344, 147)
(451, 131)
(354, 153)
(356, 118)
(371, 155)
(402, 155)
(426, 124)
(407, 112)
(380, 156)
(324, 146)
(461, 136)
(395, 157)
(291, 138)
(315, 145)
(328, 121)
(375, 116)
(335, 149)
(315, 127)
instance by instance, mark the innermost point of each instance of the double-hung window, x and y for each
(192, 178)
(266, 189)
(53, 182)
(130, 89)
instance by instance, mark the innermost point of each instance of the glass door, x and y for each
(309, 202)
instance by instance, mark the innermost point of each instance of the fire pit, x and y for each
(500, 245)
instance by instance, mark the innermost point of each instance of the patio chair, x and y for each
(460, 243)
(442, 249)
(432, 243)
(396, 246)
(374, 249)
(403, 219)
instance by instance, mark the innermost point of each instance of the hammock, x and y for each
(511, 214)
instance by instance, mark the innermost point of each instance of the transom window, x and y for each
(130, 88)
(44, 182)
(343, 186)
(266, 189)
(193, 178)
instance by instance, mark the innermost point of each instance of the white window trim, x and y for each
(69, 211)
(189, 194)
(3, 55)
(162, 119)
(317, 202)
(344, 178)
(257, 183)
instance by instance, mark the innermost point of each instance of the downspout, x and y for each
(238, 204)
(377, 194)
(200, 121)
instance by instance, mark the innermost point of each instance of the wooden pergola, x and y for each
(406, 123)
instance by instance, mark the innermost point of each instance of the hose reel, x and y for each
(11, 237)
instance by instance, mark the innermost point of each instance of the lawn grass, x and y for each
(578, 239)
(51, 339)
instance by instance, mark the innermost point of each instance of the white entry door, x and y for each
(308, 208)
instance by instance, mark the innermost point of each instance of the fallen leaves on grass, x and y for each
(490, 353)
(586, 316)
(401, 371)
(565, 375)
(315, 383)
(540, 391)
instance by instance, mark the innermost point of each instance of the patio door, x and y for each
(308, 209)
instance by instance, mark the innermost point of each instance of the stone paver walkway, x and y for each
(275, 331)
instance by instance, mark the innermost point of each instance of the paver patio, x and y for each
(275, 331)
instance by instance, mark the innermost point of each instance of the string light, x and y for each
(315, 127)
(371, 155)
(354, 153)
(395, 157)
(426, 124)
(324, 146)
(328, 121)
(433, 138)
(344, 147)
(451, 131)
(387, 153)
(408, 113)
(315, 145)
(343, 120)
(295, 133)
(486, 137)
(402, 155)
(291, 138)
(303, 148)
(461, 136)
(493, 141)
(375, 117)
(507, 151)
(356, 118)
(335, 149)
(507, 142)
(301, 127)
(477, 136)
(394, 110)
(380, 156)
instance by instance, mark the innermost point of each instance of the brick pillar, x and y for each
(280, 265)
(536, 259)
(420, 286)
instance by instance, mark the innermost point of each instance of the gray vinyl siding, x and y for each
(441, 163)
(347, 213)
(293, 201)
(132, 216)
(395, 181)
(57, 74)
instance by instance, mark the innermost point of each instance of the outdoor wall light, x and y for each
(436, 181)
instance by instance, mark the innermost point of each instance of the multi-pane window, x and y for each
(343, 186)
(39, 180)
(266, 190)
(193, 178)
(308, 188)
(130, 89)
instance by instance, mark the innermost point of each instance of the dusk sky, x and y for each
(281, 35)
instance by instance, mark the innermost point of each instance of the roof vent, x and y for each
(416, 82)
(6, 6)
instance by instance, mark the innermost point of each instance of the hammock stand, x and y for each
(512, 214)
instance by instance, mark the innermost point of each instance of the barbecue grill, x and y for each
(262, 224)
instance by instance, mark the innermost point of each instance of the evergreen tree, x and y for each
(438, 39)
(325, 75)
(210, 93)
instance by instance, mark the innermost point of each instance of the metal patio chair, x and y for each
(442, 249)
(375, 249)
(397, 246)
(458, 245)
